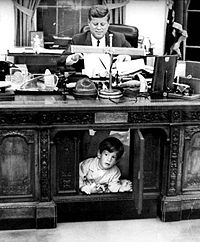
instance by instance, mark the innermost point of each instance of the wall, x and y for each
(148, 15)
(7, 27)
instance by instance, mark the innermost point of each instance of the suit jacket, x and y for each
(118, 40)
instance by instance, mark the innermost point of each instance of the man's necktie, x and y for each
(98, 42)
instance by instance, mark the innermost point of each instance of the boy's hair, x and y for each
(112, 144)
(98, 11)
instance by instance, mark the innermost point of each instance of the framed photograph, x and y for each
(37, 39)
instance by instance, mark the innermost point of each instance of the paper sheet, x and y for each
(128, 67)
(96, 65)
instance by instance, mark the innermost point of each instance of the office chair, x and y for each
(131, 32)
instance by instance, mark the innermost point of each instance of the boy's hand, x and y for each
(93, 188)
(86, 189)
(126, 186)
(97, 188)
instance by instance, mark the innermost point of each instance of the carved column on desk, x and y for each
(173, 161)
(176, 117)
(46, 208)
(44, 165)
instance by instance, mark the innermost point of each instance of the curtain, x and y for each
(24, 13)
(117, 8)
(176, 32)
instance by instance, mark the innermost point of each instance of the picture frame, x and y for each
(163, 77)
(37, 39)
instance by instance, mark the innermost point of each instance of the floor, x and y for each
(144, 230)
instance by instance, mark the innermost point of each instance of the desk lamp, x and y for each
(110, 92)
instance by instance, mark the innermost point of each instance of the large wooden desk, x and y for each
(41, 144)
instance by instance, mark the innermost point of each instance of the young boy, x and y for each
(100, 174)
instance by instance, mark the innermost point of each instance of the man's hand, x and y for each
(71, 59)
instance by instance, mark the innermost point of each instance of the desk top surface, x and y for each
(57, 102)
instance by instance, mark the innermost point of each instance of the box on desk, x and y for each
(192, 76)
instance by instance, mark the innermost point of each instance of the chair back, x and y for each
(131, 32)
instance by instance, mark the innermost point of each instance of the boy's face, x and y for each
(98, 26)
(107, 159)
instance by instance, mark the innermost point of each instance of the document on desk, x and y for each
(96, 65)
(133, 66)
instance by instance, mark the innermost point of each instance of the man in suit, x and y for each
(97, 35)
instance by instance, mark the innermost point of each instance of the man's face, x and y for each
(98, 27)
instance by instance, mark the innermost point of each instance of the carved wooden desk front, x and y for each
(41, 144)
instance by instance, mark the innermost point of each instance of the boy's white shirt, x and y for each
(91, 169)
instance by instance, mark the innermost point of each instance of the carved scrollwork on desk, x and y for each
(16, 118)
(40, 118)
(148, 117)
(17, 187)
(191, 116)
(176, 116)
(173, 162)
(26, 134)
(66, 118)
(190, 131)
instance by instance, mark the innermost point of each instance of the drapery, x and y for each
(117, 10)
(176, 32)
(24, 13)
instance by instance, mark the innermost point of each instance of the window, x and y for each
(192, 48)
(62, 18)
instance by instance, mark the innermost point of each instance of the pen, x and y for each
(102, 63)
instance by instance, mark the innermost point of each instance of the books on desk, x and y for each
(31, 50)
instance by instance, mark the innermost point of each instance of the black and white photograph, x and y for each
(99, 121)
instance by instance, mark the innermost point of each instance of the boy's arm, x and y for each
(84, 184)
(114, 182)
(83, 170)
(117, 185)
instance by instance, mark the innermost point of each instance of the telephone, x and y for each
(5, 69)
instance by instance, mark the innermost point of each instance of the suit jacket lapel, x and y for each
(107, 39)
(88, 40)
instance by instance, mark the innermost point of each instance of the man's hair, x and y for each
(112, 144)
(98, 11)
